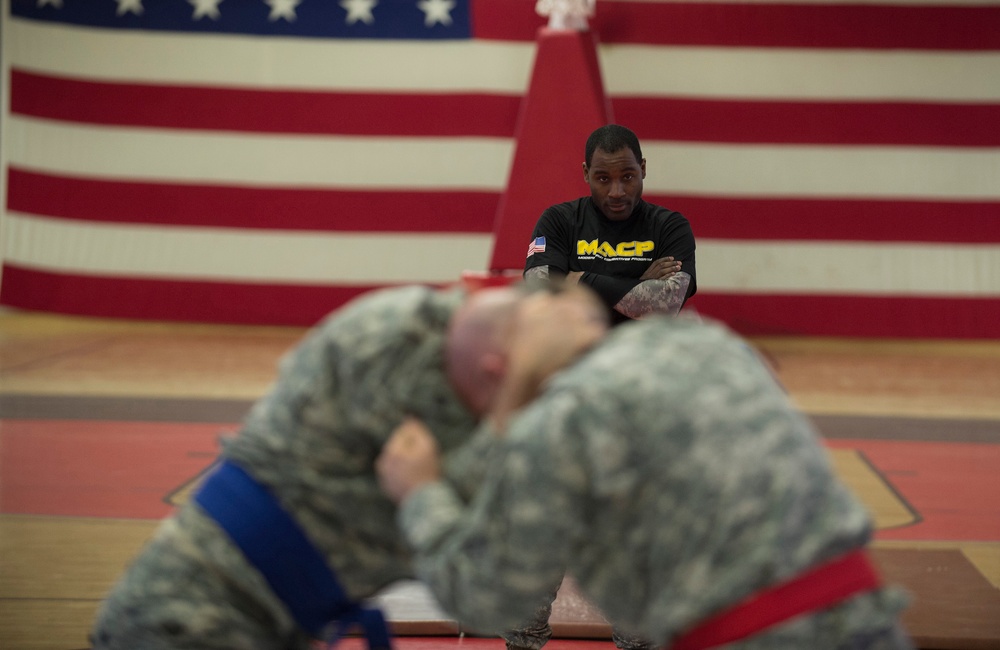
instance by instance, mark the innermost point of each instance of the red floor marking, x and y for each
(954, 487)
(86, 468)
(469, 643)
(91, 468)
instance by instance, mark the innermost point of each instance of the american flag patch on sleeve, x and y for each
(537, 245)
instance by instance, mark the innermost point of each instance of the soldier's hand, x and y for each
(662, 269)
(408, 461)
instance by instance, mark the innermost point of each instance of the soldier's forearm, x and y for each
(429, 514)
(655, 297)
(466, 467)
(449, 560)
(537, 276)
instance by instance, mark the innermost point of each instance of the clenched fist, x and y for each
(408, 461)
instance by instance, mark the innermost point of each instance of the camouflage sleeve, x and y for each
(466, 468)
(655, 297)
(492, 564)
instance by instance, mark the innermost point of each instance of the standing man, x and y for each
(669, 474)
(639, 257)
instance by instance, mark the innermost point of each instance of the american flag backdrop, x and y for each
(262, 161)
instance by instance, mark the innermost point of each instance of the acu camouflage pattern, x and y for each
(669, 474)
(313, 441)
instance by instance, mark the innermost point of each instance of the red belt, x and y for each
(811, 591)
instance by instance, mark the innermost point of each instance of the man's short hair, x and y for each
(612, 138)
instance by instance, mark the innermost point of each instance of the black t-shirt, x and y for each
(613, 255)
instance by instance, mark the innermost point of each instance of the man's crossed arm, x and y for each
(662, 289)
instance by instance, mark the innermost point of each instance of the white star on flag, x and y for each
(55, 3)
(208, 8)
(282, 9)
(359, 10)
(436, 11)
(129, 6)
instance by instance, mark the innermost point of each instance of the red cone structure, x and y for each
(564, 104)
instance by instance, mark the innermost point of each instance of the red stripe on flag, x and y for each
(172, 300)
(505, 20)
(250, 207)
(804, 122)
(265, 111)
(862, 316)
(837, 220)
(297, 305)
(807, 25)
(653, 118)
(738, 218)
(944, 27)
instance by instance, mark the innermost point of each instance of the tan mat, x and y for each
(953, 606)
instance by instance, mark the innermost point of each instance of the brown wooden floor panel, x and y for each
(863, 395)
(953, 607)
(18, 406)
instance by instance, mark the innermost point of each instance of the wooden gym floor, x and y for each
(104, 425)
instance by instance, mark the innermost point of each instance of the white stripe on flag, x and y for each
(787, 73)
(267, 160)
(499, 66)
(344, 258)
(271, 256)
(483, 163)
(863, 268)
(822, 171)
(273, 62)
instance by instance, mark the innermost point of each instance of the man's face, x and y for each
(615, 181)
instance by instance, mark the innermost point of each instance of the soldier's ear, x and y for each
(490, 372)
(493, 364)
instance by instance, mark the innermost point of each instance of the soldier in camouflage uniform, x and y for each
(312, 442)
(664, 469)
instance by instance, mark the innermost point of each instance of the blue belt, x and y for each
(277, 547)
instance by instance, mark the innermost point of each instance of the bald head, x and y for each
(475, 350)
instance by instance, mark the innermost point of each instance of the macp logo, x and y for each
(604, 249)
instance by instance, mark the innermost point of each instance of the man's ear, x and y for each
(493, 365)
(642, 166)
(490, 373)
(586, 173)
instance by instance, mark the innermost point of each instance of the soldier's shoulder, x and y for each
(654, 332)
(391, 299)
(650, 345)
(394, 309)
